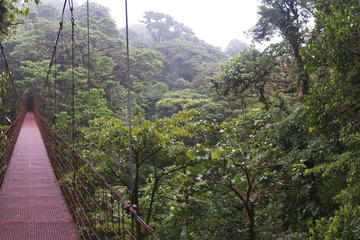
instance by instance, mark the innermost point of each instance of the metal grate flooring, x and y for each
(31, 204)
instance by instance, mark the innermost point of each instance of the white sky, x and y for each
(217, 22)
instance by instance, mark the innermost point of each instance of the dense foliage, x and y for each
(12, 13)
(244, 145)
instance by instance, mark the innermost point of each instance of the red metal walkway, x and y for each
(31, 204)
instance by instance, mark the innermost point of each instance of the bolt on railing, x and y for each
(97, 208)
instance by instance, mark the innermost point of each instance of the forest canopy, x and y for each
(242, 144)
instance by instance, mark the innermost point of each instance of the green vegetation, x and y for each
(244, 145)
(12, 13)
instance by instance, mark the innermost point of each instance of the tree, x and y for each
(140, 36)
(187, 58)
(235, 47)
(163, 27)
(345, 225)
(248, 70)
(159, 151)
(289, 18)
(333, 110)
(244, 165)
(10, 13)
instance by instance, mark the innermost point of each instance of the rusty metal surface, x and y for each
(31, 203)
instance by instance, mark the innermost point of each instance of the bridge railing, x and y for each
(97, 208)
(7, 143)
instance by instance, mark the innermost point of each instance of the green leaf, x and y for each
(191, 154)
(217, 154)
(27, 11)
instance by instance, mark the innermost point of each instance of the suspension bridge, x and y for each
(48, 191)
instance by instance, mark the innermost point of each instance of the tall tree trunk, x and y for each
(153, 192)
(262, 97)
(303, 76)
(251, 224)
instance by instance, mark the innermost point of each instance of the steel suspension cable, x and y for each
(50, 98)
(1, 61)
(16, 95)
(55, 106)
(129, 102)
(55, 94)
(71, 6)
(54, 52)
(1, 84)
(88, 72)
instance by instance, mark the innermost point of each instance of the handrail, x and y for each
(98, 210)
(7, 143)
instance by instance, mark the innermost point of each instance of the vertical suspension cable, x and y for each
(71, 6)
(88, 72)
(55, 95)
(1, 67)
(10, 75)
(129, 102)
(49, 99)
(1, 62)
(2, 101)
(55, 107)
(54, 52)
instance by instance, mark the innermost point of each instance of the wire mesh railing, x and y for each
(7, 143)
(98, 210)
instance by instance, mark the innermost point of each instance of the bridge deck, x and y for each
(31, 204)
